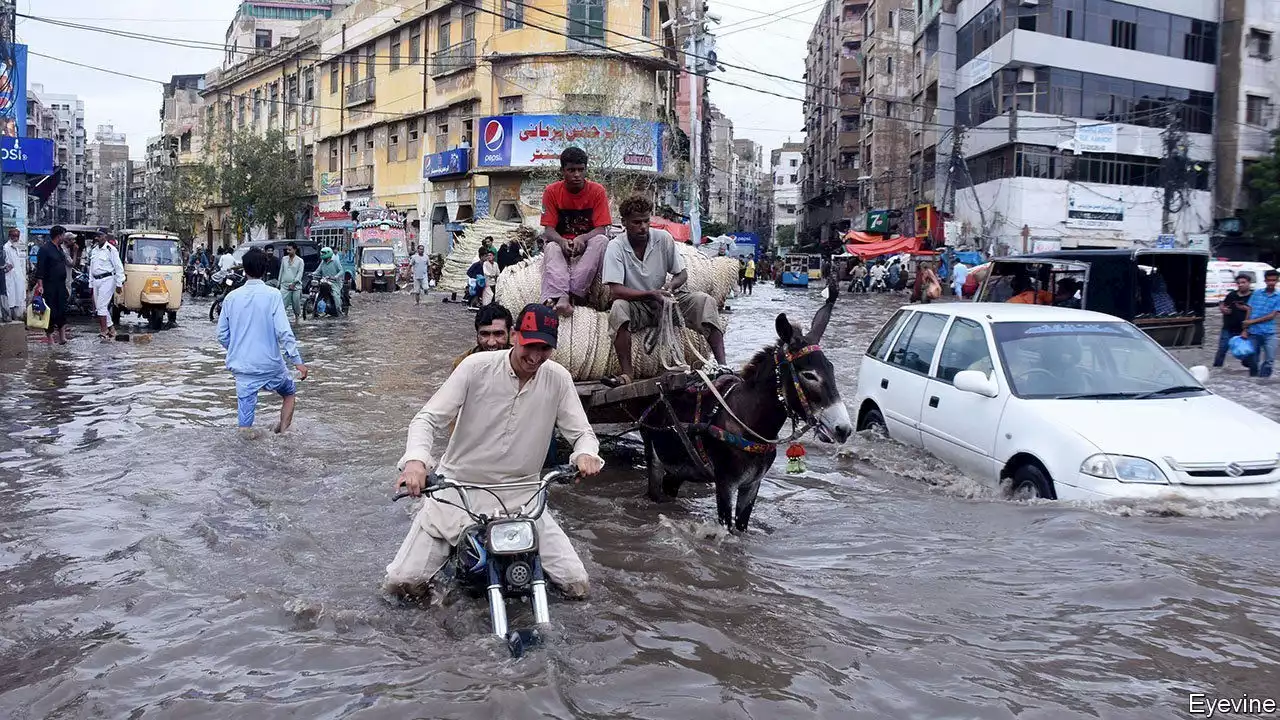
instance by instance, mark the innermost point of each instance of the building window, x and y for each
(584, 104)
(335, 81)
(262, 39)
(415, 140)
(274, 108)
(586, 20)
(1255, 110)
(257, 105)
(443, 33)
(240, 110)
(395, 50)
(354, 61)
(370, 57)
(646, 18)
(792, 180)
(353, 152)
(512, 104)
(308, 164)
(333, 156)
(1124, 34)
(442, 136)
(309, 85)
(794, 162)
(891, 27)
(415, 43)
(393, 142)
(1259, 44)
(888, 66)
(469, 27)
(513, 14)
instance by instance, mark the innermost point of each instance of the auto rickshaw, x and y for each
(153, 273)
(377, 268)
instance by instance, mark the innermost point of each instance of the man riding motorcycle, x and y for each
(331, 269)
(530, 396)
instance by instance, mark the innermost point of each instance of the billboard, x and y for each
(26, 156)
(13, 93)
(1090, 209)
(534, 140)
(446, 163)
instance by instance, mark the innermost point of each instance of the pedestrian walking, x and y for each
(1260, 325)
(291, 271)
(421, 273)
(106, 273)
(13, 278)
(51, 282)
(254, 328)
(1234, 309)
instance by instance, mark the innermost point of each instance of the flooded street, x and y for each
(154, 563)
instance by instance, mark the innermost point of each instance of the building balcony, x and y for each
(849, 139)
(849, 174)
(361, 92)
(850, 67)
(452, 59)
(357, 177)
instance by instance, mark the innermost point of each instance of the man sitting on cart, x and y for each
(636, 266)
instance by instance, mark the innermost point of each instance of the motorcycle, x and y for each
(320, 299)
(81, 293)
(198, 282)
(498, 556)
(223, 282)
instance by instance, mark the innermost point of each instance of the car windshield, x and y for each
(379, 256)
(1082, 360)
(153, 251)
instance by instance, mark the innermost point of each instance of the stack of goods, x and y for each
(466, 249)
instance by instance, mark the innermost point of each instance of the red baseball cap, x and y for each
(538, 324)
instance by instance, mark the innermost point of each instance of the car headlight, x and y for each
(509, 538)
(1123, 468)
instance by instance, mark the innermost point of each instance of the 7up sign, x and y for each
(878, 222)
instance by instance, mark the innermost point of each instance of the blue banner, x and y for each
(443, 164)
(26, 156)
(533, 140)
(13, 94)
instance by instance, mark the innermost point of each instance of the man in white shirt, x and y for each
(636, 266)
(505, 405)
(959, 274)
(421, 269)
(14, 261)
(106, 274)
(227, 260)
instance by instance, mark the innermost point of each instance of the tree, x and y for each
(715, 229)
(785, 235)
(258, 177)
(1263, 180)
(177, 200)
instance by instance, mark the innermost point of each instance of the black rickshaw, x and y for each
(1160, 291)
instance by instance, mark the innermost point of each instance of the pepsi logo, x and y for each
(494, 134)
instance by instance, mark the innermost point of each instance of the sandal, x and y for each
(614, 381)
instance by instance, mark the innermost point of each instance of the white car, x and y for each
(1064, 404)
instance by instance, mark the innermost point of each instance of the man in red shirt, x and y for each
(575, 220)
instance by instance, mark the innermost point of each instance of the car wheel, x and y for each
(1031, 482)
(873, 420)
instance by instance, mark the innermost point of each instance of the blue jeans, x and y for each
(248, 386)
(1265, 355)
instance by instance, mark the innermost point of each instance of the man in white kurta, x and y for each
(506, 405)
(15, 275)
(106, 273)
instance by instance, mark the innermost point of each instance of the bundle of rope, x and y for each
(586, 350)
(466, 248)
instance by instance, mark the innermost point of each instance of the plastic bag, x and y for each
(1240, 348)
(38, 319)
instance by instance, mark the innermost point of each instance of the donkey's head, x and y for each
(807, 378)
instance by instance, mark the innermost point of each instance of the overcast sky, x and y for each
(748, 37)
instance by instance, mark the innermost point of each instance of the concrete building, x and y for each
(833, 110)
(61, 120)
(263, 24)
(751, 211)
(136, 211)
(888, 28)
(784, 163)
(933, 102)
(721, 197)
(1061, 113)
(107, 179)
(1248, 86)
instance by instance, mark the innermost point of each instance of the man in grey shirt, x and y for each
(635, 268)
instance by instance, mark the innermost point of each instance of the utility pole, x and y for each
(699, 60)
(1173, 167)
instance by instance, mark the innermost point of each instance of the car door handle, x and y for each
(884, 384)
(933, 401)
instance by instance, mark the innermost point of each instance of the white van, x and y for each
(1221, 278)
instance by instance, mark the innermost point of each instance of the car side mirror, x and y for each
(1200, 373)
(972, 381)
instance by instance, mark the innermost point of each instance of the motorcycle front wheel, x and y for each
(215, 309)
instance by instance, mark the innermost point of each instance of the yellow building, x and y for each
(451, 110)
(275, 89)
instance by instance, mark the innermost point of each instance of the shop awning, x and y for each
(679, 231)
(883, 247)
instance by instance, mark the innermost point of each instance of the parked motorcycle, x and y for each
(498, 556)
(223, 282)
(319, 300)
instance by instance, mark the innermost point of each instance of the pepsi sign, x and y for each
(495, 142)
(520, 141)
(26, 156)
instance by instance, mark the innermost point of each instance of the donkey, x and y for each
(734, 447)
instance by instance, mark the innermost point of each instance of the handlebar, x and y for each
(563, 475)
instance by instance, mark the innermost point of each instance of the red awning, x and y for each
(883, 247)
(855, 236)
(678, 231)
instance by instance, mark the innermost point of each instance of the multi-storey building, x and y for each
(263, 24)
(106, 179)
(1061, 109)
(455, 110)
(274, 90)
(751, 209)
(721, 196)
(63, 122)
(933, 102)
(136, 214)
(888, 30)
(785, 165)
(1248, 86)
(833, 110)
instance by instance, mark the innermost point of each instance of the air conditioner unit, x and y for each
(1027, 74)
(1029, 3)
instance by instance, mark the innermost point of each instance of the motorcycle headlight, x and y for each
(1124, 468)
(379, 273)
(510, 538)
